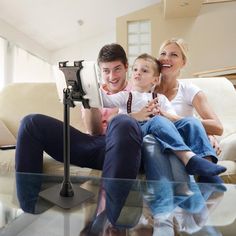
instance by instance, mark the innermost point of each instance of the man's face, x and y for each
(114, 75)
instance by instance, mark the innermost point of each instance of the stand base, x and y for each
(53, 195)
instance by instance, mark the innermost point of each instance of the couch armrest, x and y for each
(229, 176)
(228, 146)
(6, 137)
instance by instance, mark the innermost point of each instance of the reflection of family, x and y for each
(115, 142)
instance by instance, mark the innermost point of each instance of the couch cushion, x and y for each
(51, 166)
(221, 95)
(230, 175)
(6, 137)
(228, 146)
(27, 98)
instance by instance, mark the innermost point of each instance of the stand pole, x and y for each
(66, 197)
(66, 189)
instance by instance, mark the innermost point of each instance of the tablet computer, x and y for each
(89, 77)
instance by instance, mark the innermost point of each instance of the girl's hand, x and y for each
(151, 109)
(215, 144)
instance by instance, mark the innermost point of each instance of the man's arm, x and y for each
(92, 119)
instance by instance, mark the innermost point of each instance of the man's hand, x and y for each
(92, 119)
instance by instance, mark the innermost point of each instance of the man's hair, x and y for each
(156, 63)
(112, 52)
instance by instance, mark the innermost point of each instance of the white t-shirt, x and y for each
(139, 100)
(182, 102)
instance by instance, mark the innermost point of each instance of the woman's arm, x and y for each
(209, 120)
(170, 116)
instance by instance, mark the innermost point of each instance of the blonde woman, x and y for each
(184, 97)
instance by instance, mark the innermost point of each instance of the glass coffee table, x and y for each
(135, 207)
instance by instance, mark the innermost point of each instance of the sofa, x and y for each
(20, 99)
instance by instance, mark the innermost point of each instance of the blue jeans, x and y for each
(186, 134)
(117, 154)
(168, 171)
(158, 165)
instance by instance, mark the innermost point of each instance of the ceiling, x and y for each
(181, 8)
(54, 23)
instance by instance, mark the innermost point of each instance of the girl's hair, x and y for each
(156, 63)
(112, 52)
(180, 43)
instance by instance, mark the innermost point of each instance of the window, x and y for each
(139, 39)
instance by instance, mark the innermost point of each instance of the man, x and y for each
(116, 150)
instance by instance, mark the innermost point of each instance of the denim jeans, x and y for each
(186, 134)
(118, 153)
(165, 133)
(158, 165)
(170, 174)
(195, 137)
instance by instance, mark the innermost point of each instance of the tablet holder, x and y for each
(69, 197)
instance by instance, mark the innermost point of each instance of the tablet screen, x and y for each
(90, 83)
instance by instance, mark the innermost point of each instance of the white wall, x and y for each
(21, 40)
(86, 50)
(211, 35)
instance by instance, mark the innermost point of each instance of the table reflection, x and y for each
(132, 207)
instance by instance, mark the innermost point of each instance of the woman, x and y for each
(184, 98)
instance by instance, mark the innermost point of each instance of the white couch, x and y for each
(18, 100)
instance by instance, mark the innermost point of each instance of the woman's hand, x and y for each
(215, 144)
(170, 116)
(151, 109)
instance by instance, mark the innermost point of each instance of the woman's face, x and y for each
(171, 60)
(114, 75)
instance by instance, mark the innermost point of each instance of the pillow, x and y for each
(6, 137)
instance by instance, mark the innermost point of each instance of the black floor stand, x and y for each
(66, 195)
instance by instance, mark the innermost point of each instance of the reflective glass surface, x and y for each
(45, 205)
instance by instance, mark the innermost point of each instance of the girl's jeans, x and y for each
(186, 134)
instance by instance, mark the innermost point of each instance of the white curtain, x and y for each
(29, 68)
(3, 45)
(18, 65)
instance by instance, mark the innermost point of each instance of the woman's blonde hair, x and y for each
(180, 43)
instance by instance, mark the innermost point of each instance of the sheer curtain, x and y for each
(29, 68)
(18, 65)
(2, 62)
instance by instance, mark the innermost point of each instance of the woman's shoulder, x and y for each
(188, 90)
(188, 86)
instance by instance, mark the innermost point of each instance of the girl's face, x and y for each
(114, 75)
(171, 60)
(143, 74)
